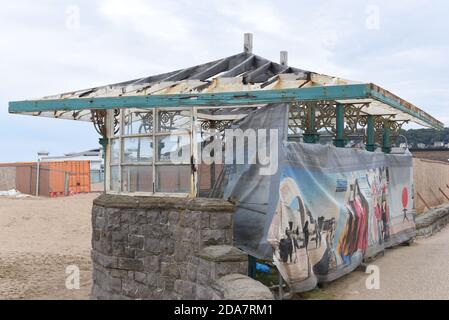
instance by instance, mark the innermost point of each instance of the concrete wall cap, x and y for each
(241, 287)
(223, 253)
(154, 202)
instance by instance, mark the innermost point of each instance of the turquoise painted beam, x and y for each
(340, 92)
(358, 91)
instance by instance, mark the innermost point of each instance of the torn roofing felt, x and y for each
(243, 72)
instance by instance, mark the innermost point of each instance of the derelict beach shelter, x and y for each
(139, 112)
(323, 211)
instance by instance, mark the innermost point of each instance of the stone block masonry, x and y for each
(165, 248)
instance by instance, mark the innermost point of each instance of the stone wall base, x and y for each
(168, 248)
(432, 221)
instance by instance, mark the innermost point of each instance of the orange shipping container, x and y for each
(75, 173)
(55, 178)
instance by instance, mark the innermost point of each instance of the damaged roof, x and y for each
(243, 72)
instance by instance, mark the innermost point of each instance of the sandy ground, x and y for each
(39, 238)
(419, 271)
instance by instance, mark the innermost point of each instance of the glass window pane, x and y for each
(115, 151)
(173, 179)
(138, 122)
(114, 179)
(138, 150)
(174, 149)
(137, 178)
(173, 120)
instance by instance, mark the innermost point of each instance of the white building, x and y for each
(421, 146)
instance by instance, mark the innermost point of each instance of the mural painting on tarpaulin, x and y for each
(326, 222)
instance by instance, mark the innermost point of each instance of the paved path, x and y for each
(420, 271)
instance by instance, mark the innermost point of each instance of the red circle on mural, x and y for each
(404, 197)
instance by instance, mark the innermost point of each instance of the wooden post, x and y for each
(248, 43)
(284, 58)
(422, 199)
(443, 193)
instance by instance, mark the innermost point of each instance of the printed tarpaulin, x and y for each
(324, 210)
(336, 207)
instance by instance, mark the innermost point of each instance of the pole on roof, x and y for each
(339, 140)
(248, 43)
(370, 143)
(284, 58)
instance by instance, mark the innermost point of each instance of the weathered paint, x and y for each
(205, 99)
(338, 92)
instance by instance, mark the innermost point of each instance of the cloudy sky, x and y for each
(54, 46)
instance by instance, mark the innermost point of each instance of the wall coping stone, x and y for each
(223, 253)
(241, 287)
(432, 221)
(155, 202)
(431, 216)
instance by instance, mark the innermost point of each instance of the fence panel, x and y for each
(431, 183)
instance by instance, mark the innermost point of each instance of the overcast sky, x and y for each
(55, 46)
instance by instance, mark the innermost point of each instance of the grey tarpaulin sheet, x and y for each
(324, 209)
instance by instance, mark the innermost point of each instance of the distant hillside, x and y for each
(426, 136)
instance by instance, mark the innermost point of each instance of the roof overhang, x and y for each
(381, 102)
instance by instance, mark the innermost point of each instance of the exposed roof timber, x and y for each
(339, 92)
(220, 66)
(238, 65)
(260, 71)
(242, 67)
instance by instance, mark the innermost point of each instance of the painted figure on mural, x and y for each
(379, 227)
(354, 236)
